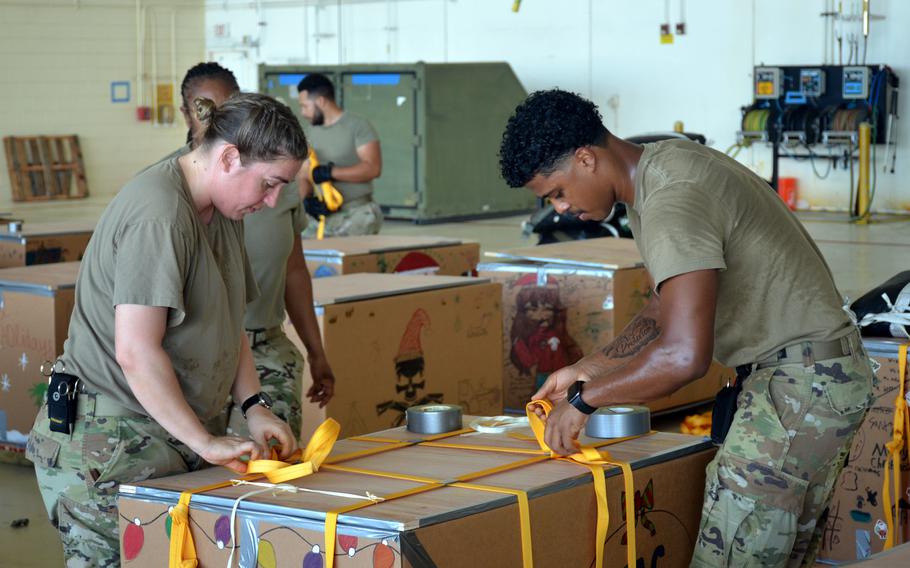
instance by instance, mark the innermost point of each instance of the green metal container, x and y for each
(439, 125)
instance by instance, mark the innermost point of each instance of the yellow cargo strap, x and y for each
(182, 553)
(593, 459)
(314, 457)
(325, 192)
(900, 437)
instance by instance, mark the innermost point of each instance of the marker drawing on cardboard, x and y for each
(409, 363)
(474, 394)
(541, 343)
(416, 263)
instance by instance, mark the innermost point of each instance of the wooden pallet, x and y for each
(42, 168)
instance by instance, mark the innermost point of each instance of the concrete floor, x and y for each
(860, 257)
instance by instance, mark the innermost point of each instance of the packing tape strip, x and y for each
(619, 422)
(434, 418)
(498, 424)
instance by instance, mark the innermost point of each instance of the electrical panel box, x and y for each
(812, 82)
(856, 82)
(767, 82)
(439, 126)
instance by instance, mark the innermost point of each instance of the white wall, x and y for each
(58, 60)
(604, 49)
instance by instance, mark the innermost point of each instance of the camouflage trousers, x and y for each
(79, 474)
(354, 219)
(280, 366)
(769, 485)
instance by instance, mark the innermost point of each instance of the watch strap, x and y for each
(250, 403)
(575, 399)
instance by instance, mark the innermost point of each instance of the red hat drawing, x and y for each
(409, 360)
(416, 263)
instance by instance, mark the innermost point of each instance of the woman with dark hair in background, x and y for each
(156, 338)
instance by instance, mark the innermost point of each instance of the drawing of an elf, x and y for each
(540, 341)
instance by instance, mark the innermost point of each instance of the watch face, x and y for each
(266, 399)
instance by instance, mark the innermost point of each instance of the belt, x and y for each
(100, 405)
(808, 352)
(259, 336)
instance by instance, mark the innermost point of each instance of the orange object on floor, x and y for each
(788, 190)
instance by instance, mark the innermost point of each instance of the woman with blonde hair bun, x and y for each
(156, 341)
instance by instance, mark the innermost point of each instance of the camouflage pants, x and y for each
(770, 483)
(280, 367)
(354, 219)
(79, 476)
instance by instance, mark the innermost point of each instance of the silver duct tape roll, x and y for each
(434, 418)
(619, 422)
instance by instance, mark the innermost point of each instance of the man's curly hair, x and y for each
(547, 127)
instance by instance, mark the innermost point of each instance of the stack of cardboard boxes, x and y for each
(38, 269)
(35, 307)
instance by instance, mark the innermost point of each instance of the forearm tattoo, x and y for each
(641, 332)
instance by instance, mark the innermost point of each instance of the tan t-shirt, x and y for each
(150, 248)
(338, 143)
(698, 209)
(269, 234)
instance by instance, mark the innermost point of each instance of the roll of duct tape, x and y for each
(619, 422)
(434, 418)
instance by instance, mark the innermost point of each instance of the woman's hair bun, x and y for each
(204, 110)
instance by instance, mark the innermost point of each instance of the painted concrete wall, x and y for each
(58, 61)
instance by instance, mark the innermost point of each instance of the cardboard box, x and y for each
(35, 307)
(44, 243)
(384, 253)
(856, 526)
(897, 556)
(398, 340)
(565, 300)
(446, 526)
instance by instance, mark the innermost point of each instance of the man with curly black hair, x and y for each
(735, 277)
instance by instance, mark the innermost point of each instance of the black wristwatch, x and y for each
(260, 398)
(574, 398)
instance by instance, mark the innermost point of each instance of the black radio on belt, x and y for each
(62, 392)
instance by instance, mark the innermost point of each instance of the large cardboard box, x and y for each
(447, 526)
(897, 556)
(563, 301)
(43, 243)
(856, 526)
(398, 340)
(384, 253)
(35, 307)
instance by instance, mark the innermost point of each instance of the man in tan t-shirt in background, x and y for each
(347, 148)
(735, 277)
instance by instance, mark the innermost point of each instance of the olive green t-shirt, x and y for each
(150, 248)
(338, 143)
(269, 234)
(698, 209)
